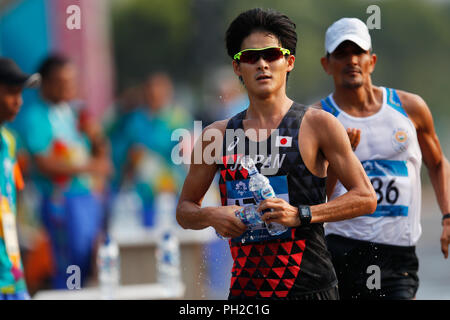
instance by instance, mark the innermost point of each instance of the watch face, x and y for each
(305, 214)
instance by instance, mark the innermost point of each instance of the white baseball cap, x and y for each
(351, 29)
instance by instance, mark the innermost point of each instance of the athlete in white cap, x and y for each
(390, 131)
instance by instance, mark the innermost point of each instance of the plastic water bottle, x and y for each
(168, 261)
(250, 217)
(108, 262)
(165, 208)
(261, 189)
(168, 248)
(126, 213)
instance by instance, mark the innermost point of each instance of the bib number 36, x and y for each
(388, 192)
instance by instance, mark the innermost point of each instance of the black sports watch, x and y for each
(304, 213)
(445, 216)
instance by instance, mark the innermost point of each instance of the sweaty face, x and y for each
(350, 65)
(263, 78)
(61, 84)
(10, 101)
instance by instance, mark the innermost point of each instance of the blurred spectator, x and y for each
(65, 170)
(12, 82)
(147, 140)
(227, 97)
(115, 121)
(99, 146)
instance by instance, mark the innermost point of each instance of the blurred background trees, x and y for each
(186, 38)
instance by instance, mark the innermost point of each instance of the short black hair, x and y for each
(51, 63)
(259, 19)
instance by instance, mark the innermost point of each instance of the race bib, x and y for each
(238, 193)
(391, 183)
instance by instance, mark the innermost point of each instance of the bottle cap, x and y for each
(248, 164)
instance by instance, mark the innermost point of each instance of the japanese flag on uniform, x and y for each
(283, 141)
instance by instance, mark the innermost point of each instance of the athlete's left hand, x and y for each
(445, 238)
(282, 212)
(354, 136)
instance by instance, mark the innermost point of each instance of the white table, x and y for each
(138, 260)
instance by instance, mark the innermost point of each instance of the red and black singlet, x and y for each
(296, 262)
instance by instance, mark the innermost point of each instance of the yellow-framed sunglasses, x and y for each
(269, 54)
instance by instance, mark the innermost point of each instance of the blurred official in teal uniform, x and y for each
(147, 163)
(64, 170)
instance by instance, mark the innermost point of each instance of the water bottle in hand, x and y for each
(250, 217)
(261, 189)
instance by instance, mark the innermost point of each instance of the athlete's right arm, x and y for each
(333, 144)
(354, 136)
(190, 214)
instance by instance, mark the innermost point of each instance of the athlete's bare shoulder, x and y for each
(321, 125)
(411, 100)
(211, 136)
(220, 125)
(321, 137)
(415, 107)
(317, 117)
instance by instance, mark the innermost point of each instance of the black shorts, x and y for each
(368, 270)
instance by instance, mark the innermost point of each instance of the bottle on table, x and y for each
(108, 262)
(168, 248)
